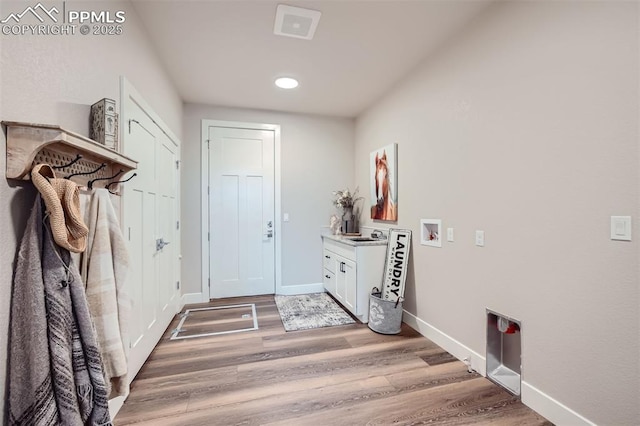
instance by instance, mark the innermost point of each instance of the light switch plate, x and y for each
(480, 238)
(285, 217)
(450, 235)
(621, 228)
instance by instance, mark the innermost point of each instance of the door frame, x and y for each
(204, 197)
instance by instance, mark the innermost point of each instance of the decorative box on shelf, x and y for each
(104, 123)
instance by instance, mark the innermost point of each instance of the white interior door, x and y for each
(150, 219)
(241, 212)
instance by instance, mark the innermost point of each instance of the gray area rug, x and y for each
(306, 311)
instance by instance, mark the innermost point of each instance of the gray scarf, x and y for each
(55, 370)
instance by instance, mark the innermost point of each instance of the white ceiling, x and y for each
(224, 52)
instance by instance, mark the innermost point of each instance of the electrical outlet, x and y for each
(480, 238)
(450, 235)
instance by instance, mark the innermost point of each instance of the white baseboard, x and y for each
(448, 343)
(189, 298)
(554, 411)
(534, 398)
(115, 405)
(287, 290)
(290, 290)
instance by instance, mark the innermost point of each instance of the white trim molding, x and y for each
(291, 290)
(191, 298)
(115, 404)
(446, 342)
(553, 410)
(532, 397)
(204, 179)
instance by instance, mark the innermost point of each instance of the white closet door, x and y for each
(150, 220)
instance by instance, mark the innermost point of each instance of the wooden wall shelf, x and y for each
(29, 144)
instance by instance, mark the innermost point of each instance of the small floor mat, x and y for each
(306, 311)
(201, 322)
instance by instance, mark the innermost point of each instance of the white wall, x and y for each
(54, 80)
(525, 125)
(316, 159)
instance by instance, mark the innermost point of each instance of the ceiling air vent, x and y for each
(296, 22)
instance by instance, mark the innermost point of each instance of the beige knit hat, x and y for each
(62, 200)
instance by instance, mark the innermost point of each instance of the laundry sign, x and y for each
(395, 271)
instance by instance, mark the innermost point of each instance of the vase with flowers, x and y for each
(346, 201)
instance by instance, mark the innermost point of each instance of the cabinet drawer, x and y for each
(329, 281)
(344, 250)
(329, 260)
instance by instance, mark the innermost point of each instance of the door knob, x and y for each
(160, 243)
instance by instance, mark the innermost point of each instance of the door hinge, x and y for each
(135, 121)
(178, 224)
(208, 236)
(177, 285)
(129, 233)
(209, 282)
(208, 143)
(208, 190)
(177, 164)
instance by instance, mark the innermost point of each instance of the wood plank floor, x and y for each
(345, 375)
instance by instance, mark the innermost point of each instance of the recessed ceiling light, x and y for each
(286, 83)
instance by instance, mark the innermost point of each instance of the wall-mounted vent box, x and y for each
(504, 351)
(430, 232)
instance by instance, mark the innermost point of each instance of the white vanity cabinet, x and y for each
(350, 271)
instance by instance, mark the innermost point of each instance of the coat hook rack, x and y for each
(28, 144)
(74, 161)
(121, 181)
(92, 181)
(102, 166)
